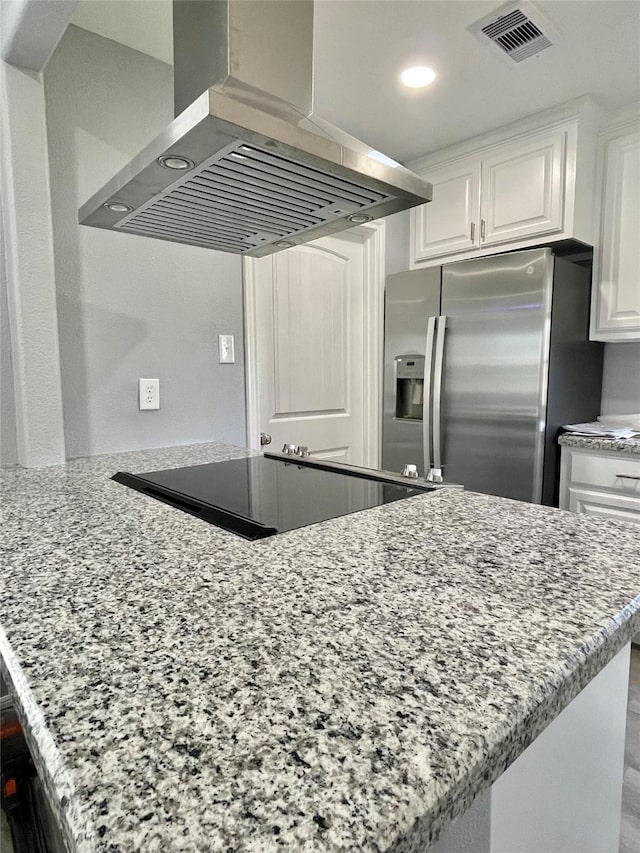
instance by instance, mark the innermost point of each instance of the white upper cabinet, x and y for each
(523, 189)
(516, 187)
(616, 303)
(451, 222)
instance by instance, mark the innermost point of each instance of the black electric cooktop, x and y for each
(262, 495)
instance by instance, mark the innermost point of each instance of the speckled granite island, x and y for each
(354, 685)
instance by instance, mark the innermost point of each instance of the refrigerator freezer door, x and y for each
(410, 299)
(495, 376)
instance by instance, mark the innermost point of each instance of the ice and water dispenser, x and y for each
(409, 387)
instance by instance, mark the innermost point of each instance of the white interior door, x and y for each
(314, 346)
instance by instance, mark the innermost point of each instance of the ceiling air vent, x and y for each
(516, 30)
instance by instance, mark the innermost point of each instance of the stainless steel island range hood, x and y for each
(245, 166)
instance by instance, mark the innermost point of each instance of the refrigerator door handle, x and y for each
(441, 325)
(426, 406)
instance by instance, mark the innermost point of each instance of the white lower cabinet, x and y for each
(603, 483)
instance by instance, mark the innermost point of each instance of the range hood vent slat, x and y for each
(241, 226)
(260, 195)
(243, 205)
(211, 199)
(252, 208)
(263, 181)
(270, 196)
(191, 235)
(212, 207)
(157, 219)
(186, 227)
(313, 177)
(221, 224)
(299, 185)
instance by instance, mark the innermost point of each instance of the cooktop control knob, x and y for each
(302, 450)
(410, 471)
(289, 449)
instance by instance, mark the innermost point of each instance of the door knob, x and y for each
(265, 438)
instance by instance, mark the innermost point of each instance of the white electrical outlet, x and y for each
(226, 349)
(149, 393)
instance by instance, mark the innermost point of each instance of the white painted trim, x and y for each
(374, 251)
(623, 121)
(250, 353)
(604, 204)
(583, 111)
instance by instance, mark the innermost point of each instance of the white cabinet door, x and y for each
(523, 189)
(450, 223)
(593, 502)
(617, 296)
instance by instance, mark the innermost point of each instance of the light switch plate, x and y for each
(226, 349)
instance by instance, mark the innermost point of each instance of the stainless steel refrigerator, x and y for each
(484, 361)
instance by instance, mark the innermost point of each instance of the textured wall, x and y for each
(397, 242)
(128, 306)
(621, 379)
(8, 447)
(31, 291)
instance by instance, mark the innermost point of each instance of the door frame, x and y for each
(373, 246)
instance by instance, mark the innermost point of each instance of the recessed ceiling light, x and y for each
(418, 76)
(173, 161)
(118, 207)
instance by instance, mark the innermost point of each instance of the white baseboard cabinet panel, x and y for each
(564, 793)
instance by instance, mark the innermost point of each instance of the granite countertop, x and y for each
(627, 445)
(347, 686)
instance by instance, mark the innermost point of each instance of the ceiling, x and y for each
(362, 45)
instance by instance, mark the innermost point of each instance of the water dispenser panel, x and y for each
(409, 387)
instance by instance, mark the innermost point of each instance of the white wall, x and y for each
(128, 306)
(8, 446)
(621, 379)
(27, 231)
(397, 251)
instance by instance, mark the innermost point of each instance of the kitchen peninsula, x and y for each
(354, 685)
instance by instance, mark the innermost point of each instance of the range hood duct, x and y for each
(245, 166)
